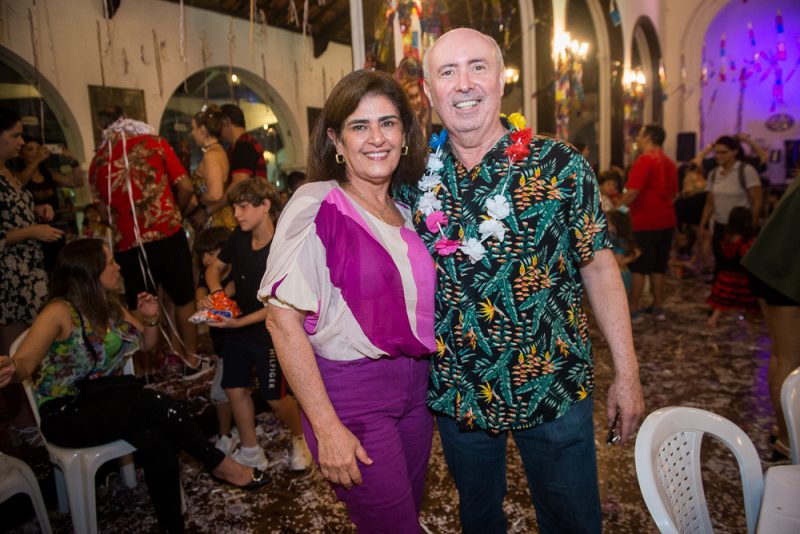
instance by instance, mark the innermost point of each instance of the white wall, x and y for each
(68, 58)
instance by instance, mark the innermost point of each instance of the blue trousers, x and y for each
(559, 461)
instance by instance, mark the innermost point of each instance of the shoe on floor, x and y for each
(660, 314)
(226, 444)
(259, 461)
(300, 458)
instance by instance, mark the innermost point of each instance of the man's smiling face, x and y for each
(465, 82)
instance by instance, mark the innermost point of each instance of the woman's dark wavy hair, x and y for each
(8, 119)
(732, 143)
(76, 279)
(342, 102)
(210, 117)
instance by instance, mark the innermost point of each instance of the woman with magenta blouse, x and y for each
(350, 293)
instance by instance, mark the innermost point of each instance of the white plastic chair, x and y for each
(77, 467)
(790, 402)
(668, 468)
(17, 477)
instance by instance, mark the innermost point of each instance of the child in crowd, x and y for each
(731, 289)
(247, 342)
(623, 243)
(207, 246)
(609, 191)
(93, 225)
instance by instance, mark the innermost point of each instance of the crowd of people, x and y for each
(406, 285)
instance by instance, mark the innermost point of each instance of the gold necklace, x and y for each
(381, 211)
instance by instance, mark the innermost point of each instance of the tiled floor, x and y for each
(682, 363)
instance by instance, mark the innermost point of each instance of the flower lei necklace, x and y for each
(497, 207)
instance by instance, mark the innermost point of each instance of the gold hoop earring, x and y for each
(339, 159)
(404, 150)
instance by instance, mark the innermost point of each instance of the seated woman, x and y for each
(79, 344)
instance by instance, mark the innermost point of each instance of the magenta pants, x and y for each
(382, 402)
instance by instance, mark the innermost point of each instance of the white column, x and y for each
(357, 33)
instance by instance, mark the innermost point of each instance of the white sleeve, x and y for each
(293, 274)
(751, 178)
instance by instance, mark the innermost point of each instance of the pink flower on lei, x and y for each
(445, 247)
(435, 220)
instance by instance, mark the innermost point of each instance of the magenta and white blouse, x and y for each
(368, 287)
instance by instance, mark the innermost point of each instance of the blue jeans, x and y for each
(560, 464)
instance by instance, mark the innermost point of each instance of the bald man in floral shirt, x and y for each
(514, 224)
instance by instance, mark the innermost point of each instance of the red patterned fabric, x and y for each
(153, 169)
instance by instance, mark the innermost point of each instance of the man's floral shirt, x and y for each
(508, 237)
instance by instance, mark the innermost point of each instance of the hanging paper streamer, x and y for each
(264, 76)
(305, 19)
(252, 22)
(35, 44)
(204, 56)
(159, 72)
(182, 46)
(100, 55)
(722, 54)
(231, 47)
(296, 83)
(293, 17)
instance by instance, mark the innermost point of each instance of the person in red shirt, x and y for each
(132, 176)
(650, 192)
(245, 155)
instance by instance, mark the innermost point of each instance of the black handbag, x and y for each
(95, 387)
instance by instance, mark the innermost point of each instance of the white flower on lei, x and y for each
(492, 228)
(429, 182)
(429, 203)
(474, 249)
(497, 207)
(434, 163)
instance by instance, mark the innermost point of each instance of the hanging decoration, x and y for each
(35, 45)
(182, 46)
(252, 22)
(100, 55)
(204, 56)
(231, 49)
(306, 29)
(159, 72)
(634, 83)
(264, 75)
(296, 82)
(569, 57)
(613, 13)
(125, 62)
(293, 18)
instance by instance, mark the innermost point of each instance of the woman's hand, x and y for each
(7, 369)
(42, 154)
(147, 306)
(44, 212)
(45, 232)
(339, 454)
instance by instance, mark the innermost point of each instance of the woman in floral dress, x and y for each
(23, 286)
